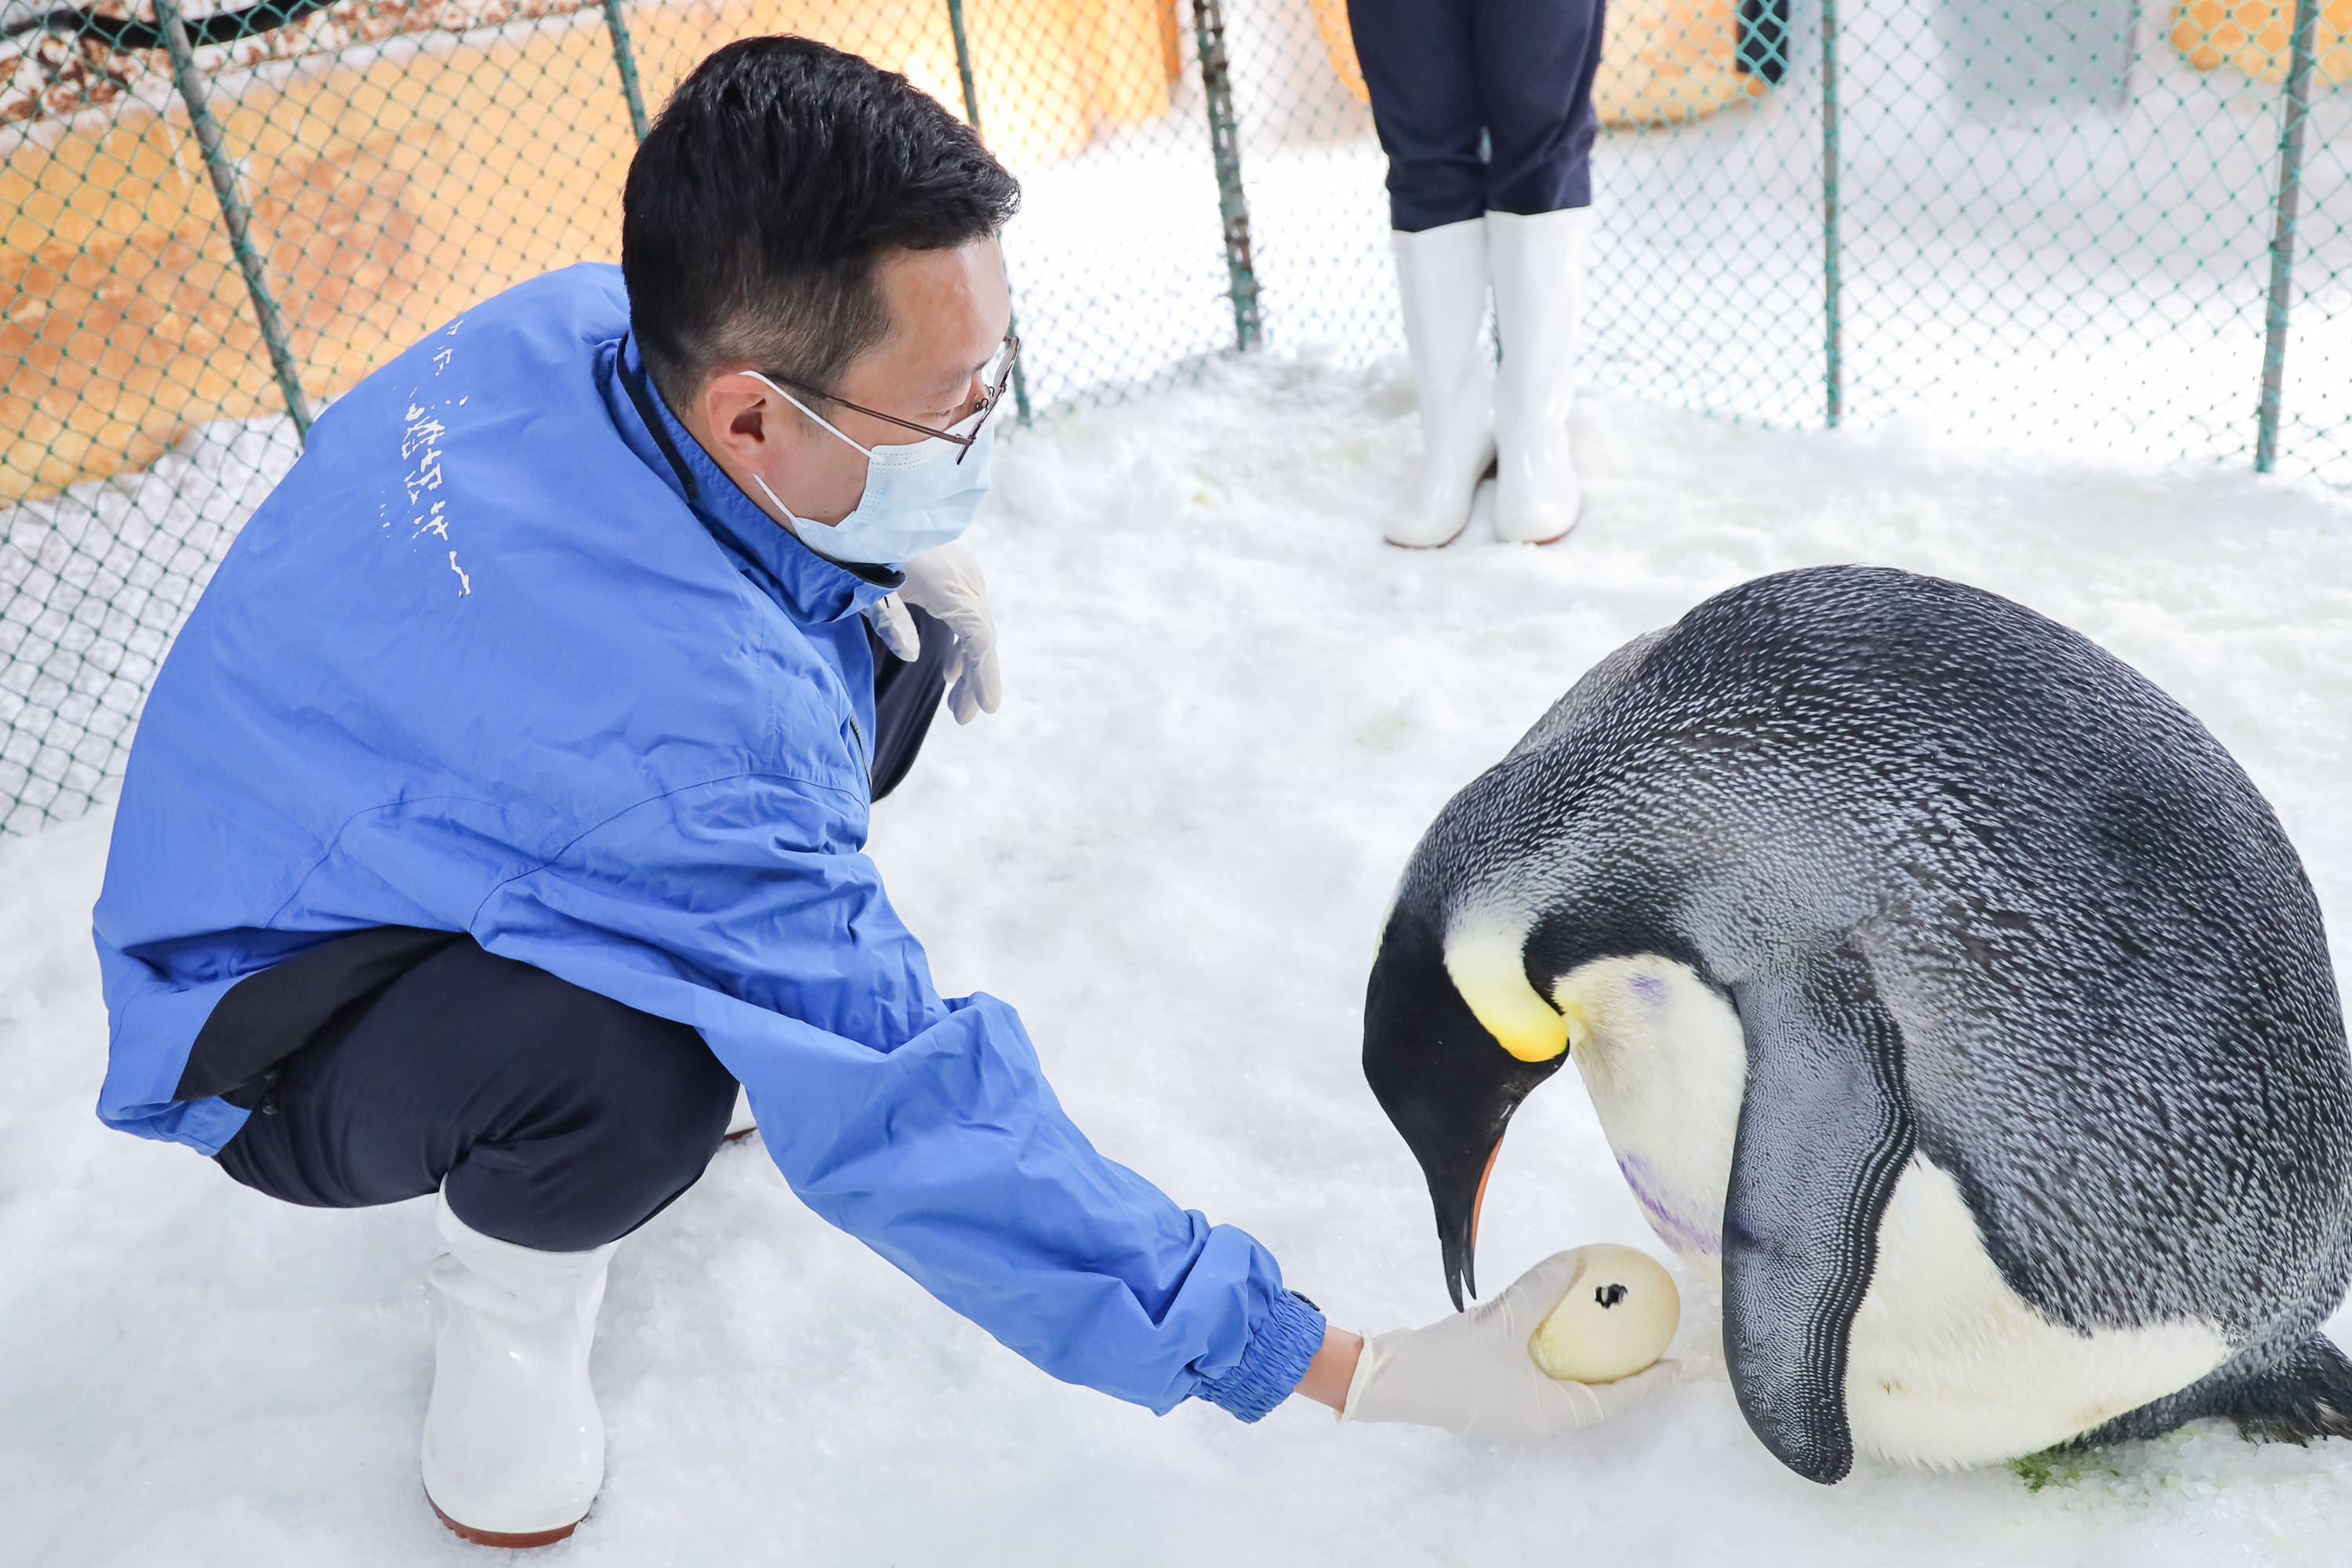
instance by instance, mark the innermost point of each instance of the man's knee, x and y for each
(645, 1091)
(554, 1117)
(602, 1117)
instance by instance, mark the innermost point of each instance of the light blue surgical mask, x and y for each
(918, 497)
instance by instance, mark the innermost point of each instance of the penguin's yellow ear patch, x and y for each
(1485, 955)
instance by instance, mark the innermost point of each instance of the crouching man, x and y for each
(502, 807)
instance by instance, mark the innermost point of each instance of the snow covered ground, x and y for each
(1229, 713)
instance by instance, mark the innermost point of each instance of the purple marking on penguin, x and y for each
(1675, 1231)
(1650, 989)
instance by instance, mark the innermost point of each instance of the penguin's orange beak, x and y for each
(1461, 1250)
(1478, 1205)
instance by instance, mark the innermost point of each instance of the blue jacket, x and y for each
(480, 665)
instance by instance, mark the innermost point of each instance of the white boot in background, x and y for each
(1538, 264)
(514, 1446)
(1442, 281)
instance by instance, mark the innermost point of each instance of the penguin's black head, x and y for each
(1446, 1081)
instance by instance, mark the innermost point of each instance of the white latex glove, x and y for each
(896, 627)
(1472, 1374)
(947, 582)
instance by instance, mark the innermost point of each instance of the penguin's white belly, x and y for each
(1947, 1366)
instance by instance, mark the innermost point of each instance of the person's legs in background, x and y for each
(1418, 63)
(1536, 63)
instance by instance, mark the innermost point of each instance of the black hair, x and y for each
(763, 198)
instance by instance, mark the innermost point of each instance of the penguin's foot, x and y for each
(2308, 1397)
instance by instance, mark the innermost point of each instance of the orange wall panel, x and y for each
(393, 185)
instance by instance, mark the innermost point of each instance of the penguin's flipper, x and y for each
(1824, 1133)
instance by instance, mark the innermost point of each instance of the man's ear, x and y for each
(739, 414)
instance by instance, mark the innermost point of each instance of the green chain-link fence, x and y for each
(2119, 225)
(2032, 223)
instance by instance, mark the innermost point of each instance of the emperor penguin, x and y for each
(1944, 990)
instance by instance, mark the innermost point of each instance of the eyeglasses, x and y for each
(998, 373)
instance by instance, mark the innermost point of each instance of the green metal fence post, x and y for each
(2295, 115)
(625, 58)
(234, 216)
(1225, 147)
(963, 63)
(1832, 319)
(972, 115)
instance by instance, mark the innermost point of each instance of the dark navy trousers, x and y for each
(558, 1118)
(1447, 74)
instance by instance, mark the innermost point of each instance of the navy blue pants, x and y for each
(558, 1118)
(561, 1120)
(1444, 74)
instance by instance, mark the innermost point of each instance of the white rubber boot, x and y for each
(1442, 279)
(1538, 263)
(514, 1446)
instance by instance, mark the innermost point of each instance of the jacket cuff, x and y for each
(1277, 1359)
